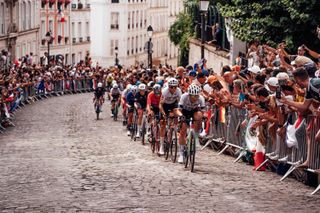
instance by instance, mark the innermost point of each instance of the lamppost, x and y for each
(150, 32)
(49, 39)
(204, 4)
(116, 52)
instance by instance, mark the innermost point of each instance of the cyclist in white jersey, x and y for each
(168, 103)
(191, 105)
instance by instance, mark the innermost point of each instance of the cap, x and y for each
(255, 69)
(192, 73)
(273, 81)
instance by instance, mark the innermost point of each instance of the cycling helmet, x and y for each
(142, 87)
(128, 86)
(151, 84)
(173, 82)
(134, 89)
(99, 85)
(194, 89)
(115, 86)
(156, 89)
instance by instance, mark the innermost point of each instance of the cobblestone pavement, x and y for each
(60, 159)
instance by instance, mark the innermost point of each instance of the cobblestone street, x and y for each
(58, 158)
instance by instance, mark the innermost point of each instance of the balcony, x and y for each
(88, 38)
(80, 39)
(74, 40)
(66, 40)
(73, 6)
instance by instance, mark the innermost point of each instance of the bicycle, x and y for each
(154, 137)
(171, 139)
(190, 148)
(134, 128)
(115, 111)
(143, 130)
(97, 105)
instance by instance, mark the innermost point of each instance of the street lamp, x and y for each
(116, 52)
(49, 41)
(204, 5)
(150, 32)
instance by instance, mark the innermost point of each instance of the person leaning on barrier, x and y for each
(311, 102)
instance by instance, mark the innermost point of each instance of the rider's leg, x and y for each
(182, 141)
(140, 115)
(197, 116)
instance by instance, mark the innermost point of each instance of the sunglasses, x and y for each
(172, 87)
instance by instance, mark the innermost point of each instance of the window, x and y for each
(2, 18)
(115, 20)
(79, 31)
(113, 45)
(114, 1)
(129, 19)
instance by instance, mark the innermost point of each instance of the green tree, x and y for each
(273, 21)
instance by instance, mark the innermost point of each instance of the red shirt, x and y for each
(153, 100)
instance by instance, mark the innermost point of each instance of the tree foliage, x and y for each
(182, 30)
(273, 21)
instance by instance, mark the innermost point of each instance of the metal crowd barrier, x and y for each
(30, 93)
(228, 135)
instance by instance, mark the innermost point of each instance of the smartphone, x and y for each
(278, 93)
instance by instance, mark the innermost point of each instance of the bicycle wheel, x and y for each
(115, 112)
(187, 152)
(98, 111)
(192, 151)
(174, 145)
(152, 138)
(134, 128)
(157, 139)
(143, 130)
(167, 143)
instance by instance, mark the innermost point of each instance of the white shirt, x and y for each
(168, 98)
(186, 104)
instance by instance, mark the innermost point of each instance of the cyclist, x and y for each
(130, 104)
(168, 103)
(115, 97)
(109, 82)
(154, 100)
(124, 103)
(99, 95)
(140, 103)
(191, 105)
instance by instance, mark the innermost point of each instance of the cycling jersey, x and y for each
(141, 99)
(115, 93)
(99, 92)
(130, 99)
(186, 104)
(153, 100)
(168, 98)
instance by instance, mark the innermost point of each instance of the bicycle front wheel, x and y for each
(143, 131)
(115, 112)
(97, 111)
(174, 146)
(192, 152)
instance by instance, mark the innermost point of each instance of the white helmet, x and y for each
(99, 85)
(142, 87)
(128, 86)
(110, 75)
(134, 89)
(194, 89)
(173, 82)
(151, 84)
(115, 86)
(157, 88)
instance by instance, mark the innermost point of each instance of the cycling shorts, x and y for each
(169, 107)
(189, 114)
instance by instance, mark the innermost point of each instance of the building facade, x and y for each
(19, 28)
(124, 26)
(80, 28)
(68, 22)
